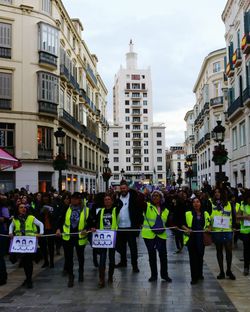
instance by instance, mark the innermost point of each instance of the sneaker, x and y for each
(231, 275)
(246, 271)
(152, 279)
(221, 276)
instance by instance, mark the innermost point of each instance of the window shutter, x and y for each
(5, 86)
(5, 35)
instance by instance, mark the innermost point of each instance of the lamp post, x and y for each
(189, 172)
(122, 174)
(219, 153)
(106, 172)
(179, 180)
(173, 180)
(60, 163)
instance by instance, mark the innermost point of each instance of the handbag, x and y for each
(158, 227)
(207, 239)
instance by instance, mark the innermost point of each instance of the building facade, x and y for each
(236, 17)
(49, 79)
(137, 145)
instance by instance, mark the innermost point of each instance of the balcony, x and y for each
(237, 59)
(234, 107)
(136, 104)
(136, 113)
(206, 107)
(216, 101)
(5, 104)
(89, 135)
(137, 130)
(207, 136)
(47, 108)
(104, 147)
(245, 44)
(71, 121)
(137, 146)
(45, 153)
(48, 60)
(64, 72)
(91, 74)
(74, 84)
(230, 69)
(135, 121)
(246, 96)
(137, 138)
(191, 137)
(5, 52)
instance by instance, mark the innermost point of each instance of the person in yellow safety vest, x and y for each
(244, 217)
(222, 230)
(73, 228)
(24, 224)
(107, 219)
(156, 216)
(196, 220)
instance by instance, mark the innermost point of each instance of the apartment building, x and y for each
(236, 17)
(49, 79)
(137, 145)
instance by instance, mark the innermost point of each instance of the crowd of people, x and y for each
(220, 215)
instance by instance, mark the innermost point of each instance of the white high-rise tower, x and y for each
(137, 146)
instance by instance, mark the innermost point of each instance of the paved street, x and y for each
(129, 292)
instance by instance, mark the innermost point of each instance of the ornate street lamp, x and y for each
(122, 174)
(179, 180)
(189, 172)
(60, 163)
(220, 153)
(107, 173)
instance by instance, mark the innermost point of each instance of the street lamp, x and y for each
(106, 172)
(60, 163)
(122, 174)
(219, 153)
(173, 179)
(179, 173)
(189, 172)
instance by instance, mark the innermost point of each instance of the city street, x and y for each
(130, 291)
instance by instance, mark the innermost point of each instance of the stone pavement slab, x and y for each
(129, 292)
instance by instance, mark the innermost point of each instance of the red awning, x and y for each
(8, 161)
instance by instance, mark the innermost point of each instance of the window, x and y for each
(135, 77)
(126, 102)
(145, 143)
(159, 151)
(159, 159)
(74, 152)
(146, 159)
(145, 135)
(128, 86)
(48, 87)
(127, 127)
(145, 94)
(159, 142)
(7, 137)
(116, 168)
(158, 134)
(146, 168)
(143, 86)
(68, 149)
(145, 103)
(5, 40)
(135, 95)
(127, 159)
(44, 140)
(126, 110)
(127, 143)
(135, 86)
(216, 67)
(46, 6)
(127, 151)
(127, 135)
(116, 177)
(115, 151)
(145, 127)
(242, 133)
(128, 168)
(159, 167)
(6, 1)
(5, 90)
(116, 159)
(127, 118)
(48, 39)
(80, 155)
(160, 176)
(145, 110)
(115, 134)
(146, 151)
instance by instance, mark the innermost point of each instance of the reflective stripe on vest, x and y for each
(114, 224)
(246, 211)
(83, 239)
(151, 214)
(30, 228)
(189, 221)
(228, 213)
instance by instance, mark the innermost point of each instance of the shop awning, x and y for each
(8, 161)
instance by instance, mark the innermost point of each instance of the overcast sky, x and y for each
(172, 37)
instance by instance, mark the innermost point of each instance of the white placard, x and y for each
(221, 222)
(103, 239)
(23, 244)
(246, 223)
